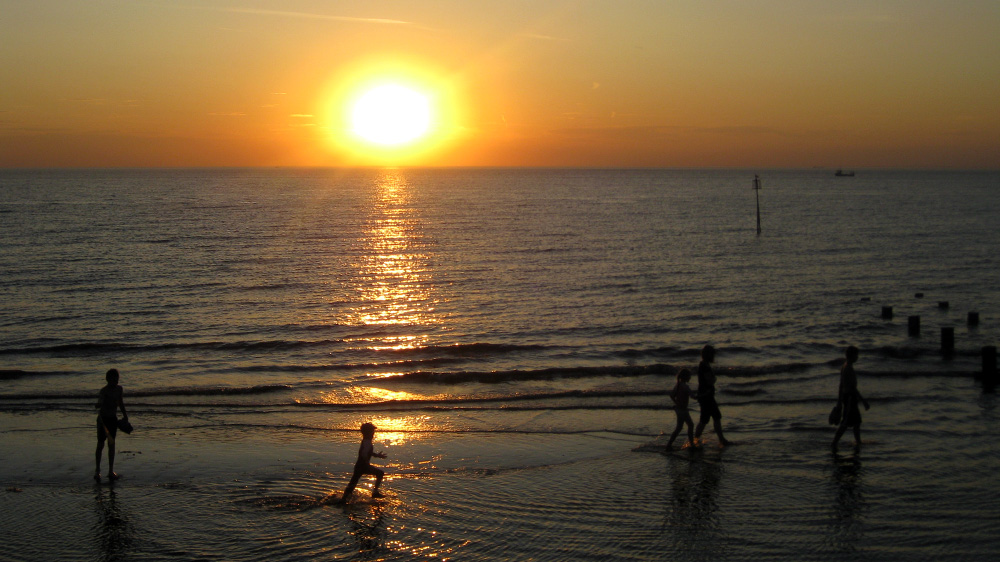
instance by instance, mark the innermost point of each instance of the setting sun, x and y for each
(392, 112)
(391, 115)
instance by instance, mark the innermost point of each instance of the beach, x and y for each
(252, 494)
(514, 335)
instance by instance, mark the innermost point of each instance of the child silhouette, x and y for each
(363, 465)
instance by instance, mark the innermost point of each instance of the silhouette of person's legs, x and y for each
(840, 433)
(379, 473)
(702, 422)
(354, 482)
(111, 460)
(677, 431)
(358, 473)
(681, 422)
(103, 434)
(100, 450)
(716, 418)
(717, 424)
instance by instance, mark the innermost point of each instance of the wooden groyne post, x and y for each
(948, 340)
(990, 364)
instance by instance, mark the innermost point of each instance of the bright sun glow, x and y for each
(391, 115)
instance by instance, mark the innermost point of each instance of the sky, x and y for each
(592, 83)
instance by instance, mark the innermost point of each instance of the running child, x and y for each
(363, 465)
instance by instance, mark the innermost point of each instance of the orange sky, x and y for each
(853, 84)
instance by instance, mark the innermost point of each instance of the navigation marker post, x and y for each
(756, 189)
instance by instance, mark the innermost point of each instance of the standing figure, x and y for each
(681, 395)
(109, 401)
(706, 396)
(363, 465)
(848, 398)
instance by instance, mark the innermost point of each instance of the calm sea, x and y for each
(530, 303)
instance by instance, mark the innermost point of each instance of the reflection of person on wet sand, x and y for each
(368, 529)
(847, 521)
(692, 511)
(363, 465)
(706, 396)
(681, 395)
(109, 401)
(848, 399)
(114, 535)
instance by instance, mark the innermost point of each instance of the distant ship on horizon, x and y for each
(842, 173)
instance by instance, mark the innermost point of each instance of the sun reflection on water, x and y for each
(399, 430)
(383, 395)
(398, 343)
(393, 282)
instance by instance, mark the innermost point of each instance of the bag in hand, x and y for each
(835, 415)
(123, 425)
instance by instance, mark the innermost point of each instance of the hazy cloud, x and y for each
(300, 15)
(663, 130)
(540, 37)
(104, 101)
(859, 17)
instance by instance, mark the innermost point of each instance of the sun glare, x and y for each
(391, 115)
(391, 112)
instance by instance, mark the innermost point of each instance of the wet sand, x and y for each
(490, 496)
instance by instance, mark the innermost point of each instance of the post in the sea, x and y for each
(756, 190)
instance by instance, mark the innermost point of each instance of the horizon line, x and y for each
(494, 167)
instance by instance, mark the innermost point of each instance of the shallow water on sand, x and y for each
(776, 493)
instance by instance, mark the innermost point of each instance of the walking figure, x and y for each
(706, 396)
(681, 395)
(848, 399)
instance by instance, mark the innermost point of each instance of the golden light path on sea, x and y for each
(391, 279)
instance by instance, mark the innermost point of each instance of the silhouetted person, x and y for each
(109, 401)
(681, 395)
(848, 399)
(363, 465)
(706, 396)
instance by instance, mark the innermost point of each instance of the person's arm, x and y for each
(121, 402)
(379, 454)
(862, 399)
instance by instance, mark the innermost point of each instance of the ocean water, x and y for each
(513, 334)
